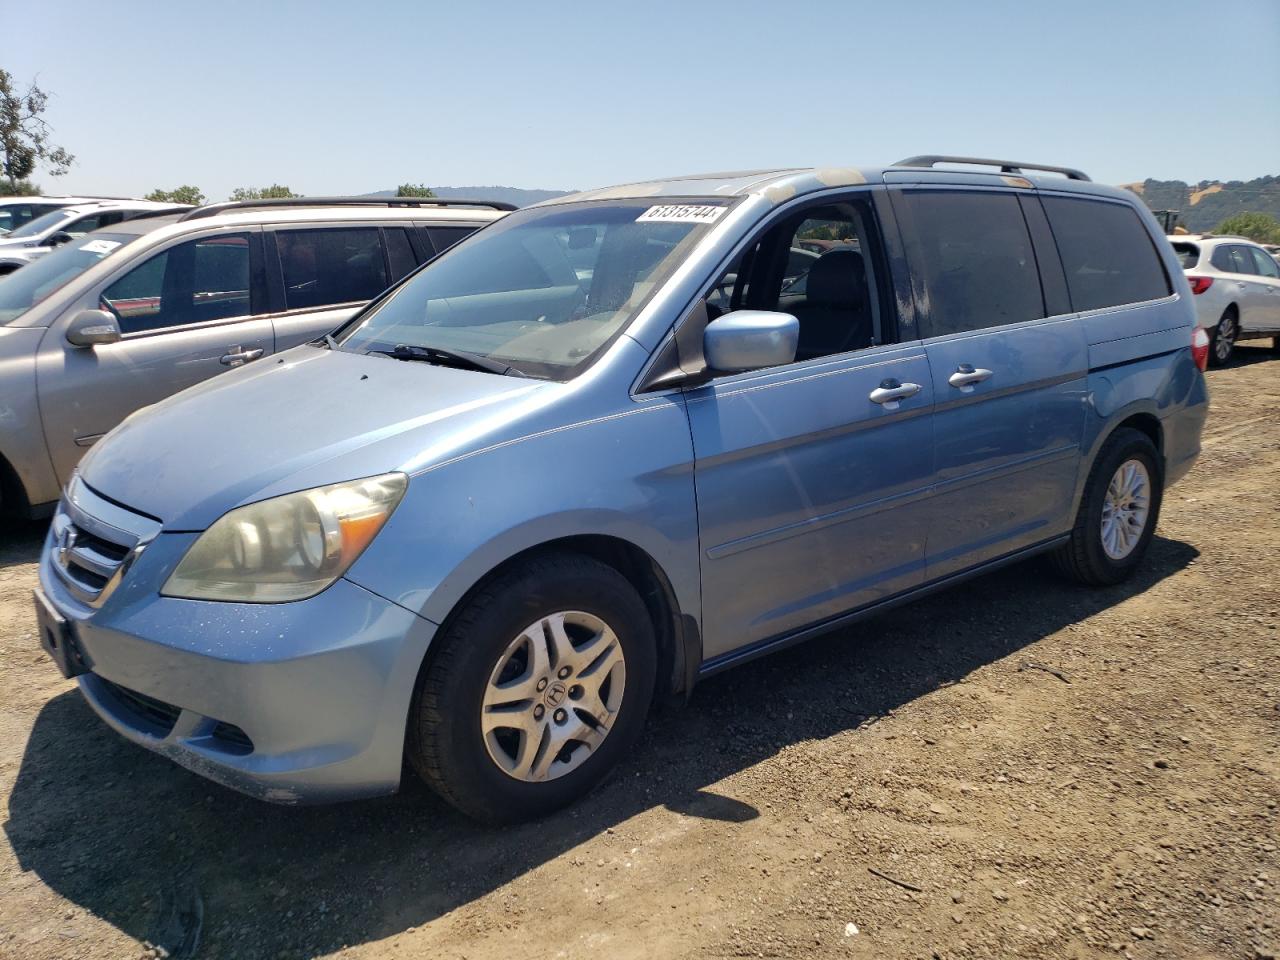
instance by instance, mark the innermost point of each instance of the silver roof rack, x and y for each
(1006, 166)
(214, 209)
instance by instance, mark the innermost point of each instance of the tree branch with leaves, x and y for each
(183, 194)
(24, 134)
(273, 192)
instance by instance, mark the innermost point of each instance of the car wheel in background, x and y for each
(534, 690)
(1223, 338)
(1118, 511)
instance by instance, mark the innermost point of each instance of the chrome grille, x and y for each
(94, 541)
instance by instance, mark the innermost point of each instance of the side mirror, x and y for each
(58, 239)
(89, 328)
(749, 340)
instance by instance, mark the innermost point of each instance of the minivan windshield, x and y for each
(39, 225)
(23, 289)
(541, 291)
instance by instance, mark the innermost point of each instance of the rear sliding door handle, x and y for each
(966, 376)
(891, 392)
(236, 356)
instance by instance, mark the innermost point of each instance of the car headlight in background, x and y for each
(286, 548)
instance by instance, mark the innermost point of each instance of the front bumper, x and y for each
(300, 702)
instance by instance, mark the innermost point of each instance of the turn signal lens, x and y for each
(1200, 348)
(1200, 284)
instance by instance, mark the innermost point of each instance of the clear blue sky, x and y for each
(337, 97)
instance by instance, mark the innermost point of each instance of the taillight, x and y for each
(1200, 284)
(1200, 348)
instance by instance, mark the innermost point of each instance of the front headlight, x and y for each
(286, 548)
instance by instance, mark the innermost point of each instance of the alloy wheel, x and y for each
(1225, 339)
(1125, 509)
(553, 696)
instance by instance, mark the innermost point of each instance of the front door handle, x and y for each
(966, 376)
(236, 356)
(891, 391)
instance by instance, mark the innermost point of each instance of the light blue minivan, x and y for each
(609, 445)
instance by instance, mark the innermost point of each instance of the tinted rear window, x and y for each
(445, 237)
(399, 252)
(1108, 256)
(329, 266)
(975, 255)
(1188, 254)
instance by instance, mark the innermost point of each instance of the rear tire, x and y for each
(1118, 512)
(1222, 341)
(534, 690)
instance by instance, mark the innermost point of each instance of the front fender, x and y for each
(22, 441)
(626, 474)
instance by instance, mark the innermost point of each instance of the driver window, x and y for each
(816, 266)
(194, 282)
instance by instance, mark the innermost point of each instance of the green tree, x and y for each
(273, 192)
(183, 194)
(414, 190)
(1258, 227)
(24, 134)
(23, 188)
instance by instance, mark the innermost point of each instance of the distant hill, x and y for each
(517, 195)
(1204, 205)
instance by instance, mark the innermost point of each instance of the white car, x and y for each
(1236, 284)
(17, 211)
(32, 240)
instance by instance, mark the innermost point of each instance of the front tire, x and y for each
(535, 689)
(1223, 339)
(1118, 512)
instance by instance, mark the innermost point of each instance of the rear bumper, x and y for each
(292, 703)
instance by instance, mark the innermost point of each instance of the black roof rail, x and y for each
(160, 212)
(1006, 166)
(214, 209)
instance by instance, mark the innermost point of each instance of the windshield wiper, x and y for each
(448, 358)
(329, 342)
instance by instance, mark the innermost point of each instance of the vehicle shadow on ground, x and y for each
(1250, 352)
(20, 541)
(136, 840)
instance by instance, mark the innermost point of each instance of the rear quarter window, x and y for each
(1108, 256)
(1188, 254)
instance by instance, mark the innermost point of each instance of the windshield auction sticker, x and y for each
(99, 246)
(682, 213)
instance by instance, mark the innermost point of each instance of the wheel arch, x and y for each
(13, 493)
(1140, 415)
(677, 633)
(1144, 422)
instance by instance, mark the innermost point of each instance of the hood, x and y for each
(305, 418)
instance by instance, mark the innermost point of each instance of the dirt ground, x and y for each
(909, 787)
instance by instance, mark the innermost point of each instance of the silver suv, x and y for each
(129, 315)
(34, 239)
(1236, 289)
